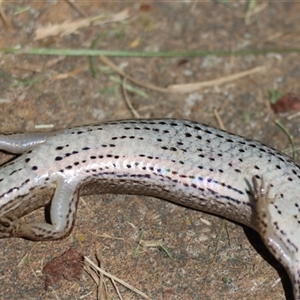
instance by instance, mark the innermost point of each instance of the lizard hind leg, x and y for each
(62, 214)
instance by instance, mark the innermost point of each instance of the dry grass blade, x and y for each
(182, 88)
(101, 295)
(192, 87)
(6, 22)
(217, 116)
(102, 289)
(128, 102)
(150, 86)
(89, 264)
(76, 7)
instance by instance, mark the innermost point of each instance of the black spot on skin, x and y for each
(187, 134)
(57, 158)
(13, 172)
(34, 168)
(27, 160)
(85, 148)
(59, 148)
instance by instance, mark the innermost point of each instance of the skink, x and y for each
(191, 164)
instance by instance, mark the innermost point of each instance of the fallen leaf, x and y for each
(68, 266)
(286, 103)
(72, 27)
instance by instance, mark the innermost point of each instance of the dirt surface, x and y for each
(59, 92)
